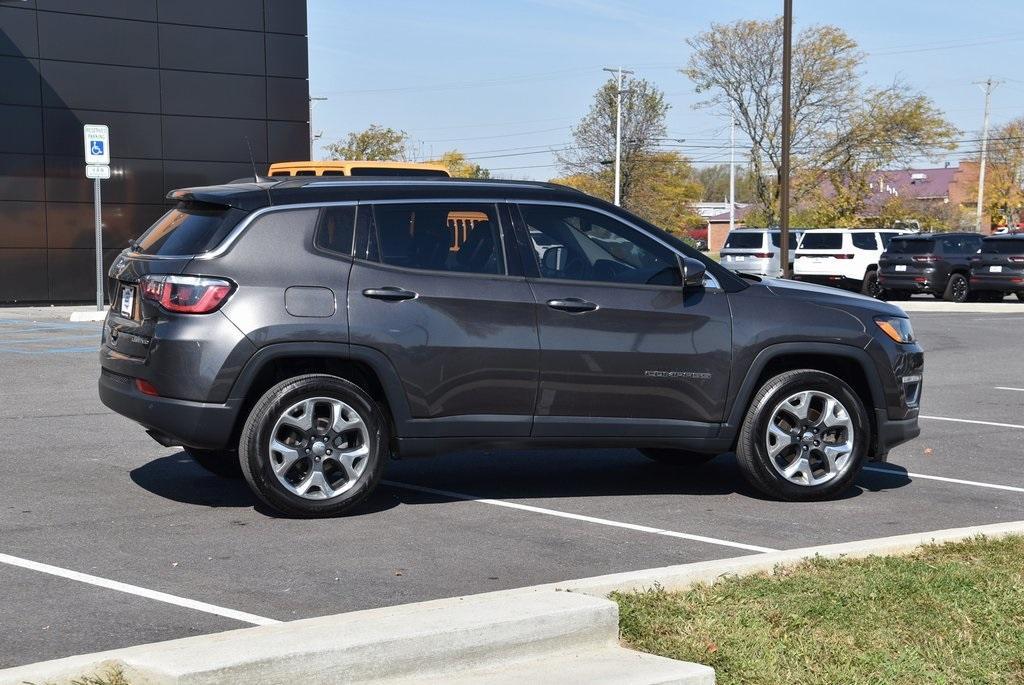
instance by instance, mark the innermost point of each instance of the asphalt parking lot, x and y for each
(85, 491)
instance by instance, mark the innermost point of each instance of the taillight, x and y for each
(764, 255)
(146, 388)
(925, 258)
(1016, 259)
(186, 294)
(842, 256)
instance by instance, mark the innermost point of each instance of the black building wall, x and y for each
(180, 83)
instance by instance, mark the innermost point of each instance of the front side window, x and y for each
(439, 236)
(582, 245)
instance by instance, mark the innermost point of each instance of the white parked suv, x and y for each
(757, 251)
(845, 258)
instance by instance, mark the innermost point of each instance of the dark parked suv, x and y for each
(935, 263)
(998, 269)
(307, 330)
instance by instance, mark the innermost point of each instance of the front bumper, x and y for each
(892, 432)
(202, 425)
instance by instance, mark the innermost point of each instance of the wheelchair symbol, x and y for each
(96, 148)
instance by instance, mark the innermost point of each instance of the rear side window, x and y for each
(909, 246)
(190, 228)
(1002, 246)
(886, 237)
(744, 241)
(821, 241)
(793, 239)
(865, 241)
(440, 236)
(335, 229)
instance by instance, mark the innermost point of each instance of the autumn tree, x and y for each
(1004, 184)
(377, 143)
(841, 130)
(460, 167)
(643, 126)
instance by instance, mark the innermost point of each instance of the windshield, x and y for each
(909, 246)
(1003, 246)
(821, 241)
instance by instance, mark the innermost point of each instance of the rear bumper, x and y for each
(999, 283)
(910, 283)
(890, 433)
(202, 425)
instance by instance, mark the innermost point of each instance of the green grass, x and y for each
(952, 613)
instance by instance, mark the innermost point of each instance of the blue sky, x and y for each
(505, 81)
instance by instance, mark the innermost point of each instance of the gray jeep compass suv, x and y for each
(307, 330)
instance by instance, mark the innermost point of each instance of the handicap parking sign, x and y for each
(97, 144)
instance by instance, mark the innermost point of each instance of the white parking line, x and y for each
(999, 387)
(136, 590)
(958, 481)
(579, 517)
(982, 423)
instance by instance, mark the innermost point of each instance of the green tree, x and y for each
(841, 130)
(460, 167)
(715, 180)
(377, 143)
(643, 126)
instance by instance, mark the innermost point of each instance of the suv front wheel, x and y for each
(804, 437)
(314, 446)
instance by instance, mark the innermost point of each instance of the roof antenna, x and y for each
(255, 176)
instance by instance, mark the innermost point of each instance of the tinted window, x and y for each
(814, 240)
(886, 237)
(864, 241)
(335, 228)
(744, 241)
(440, 236)
(1003, 246)
(190, 228)
(391, 171)
(910, 246)
(581, 245)
(793, 239)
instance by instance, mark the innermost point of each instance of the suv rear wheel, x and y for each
(804, 437)
(223, 463)
(957, 288)
(674, 457)
(870, 286)
(314, 446)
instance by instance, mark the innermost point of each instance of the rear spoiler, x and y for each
(244, 196)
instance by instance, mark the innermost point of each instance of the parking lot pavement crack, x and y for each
(579, 517)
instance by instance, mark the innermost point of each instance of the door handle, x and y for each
(573, 305)
(389, 293)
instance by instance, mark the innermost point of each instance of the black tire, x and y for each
(870, 286)
(751, 451)
(957, 289)
(223, 463)
(254, 445)
(674, 457)
(1020, 296)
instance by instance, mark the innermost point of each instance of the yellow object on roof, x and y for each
(356, 168)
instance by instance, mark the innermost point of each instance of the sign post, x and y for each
(97, 167)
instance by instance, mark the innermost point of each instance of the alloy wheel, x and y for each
(319, 447)
(810, 438)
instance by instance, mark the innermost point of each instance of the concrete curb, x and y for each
(537, 634)
(684, 576)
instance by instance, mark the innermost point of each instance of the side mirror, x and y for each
(692, 271)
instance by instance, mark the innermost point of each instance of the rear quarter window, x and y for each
(865, 241)
(821, 241)
(190, 228)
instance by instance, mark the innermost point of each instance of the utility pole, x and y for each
(618, 128)
(987, 86)
(787, 59)
(732, 170)
(313, 136)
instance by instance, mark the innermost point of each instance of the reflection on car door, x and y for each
(619, 339)
(430, 289)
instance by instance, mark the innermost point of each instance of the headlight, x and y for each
(896, 327)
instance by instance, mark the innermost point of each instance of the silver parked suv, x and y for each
(757, 251)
